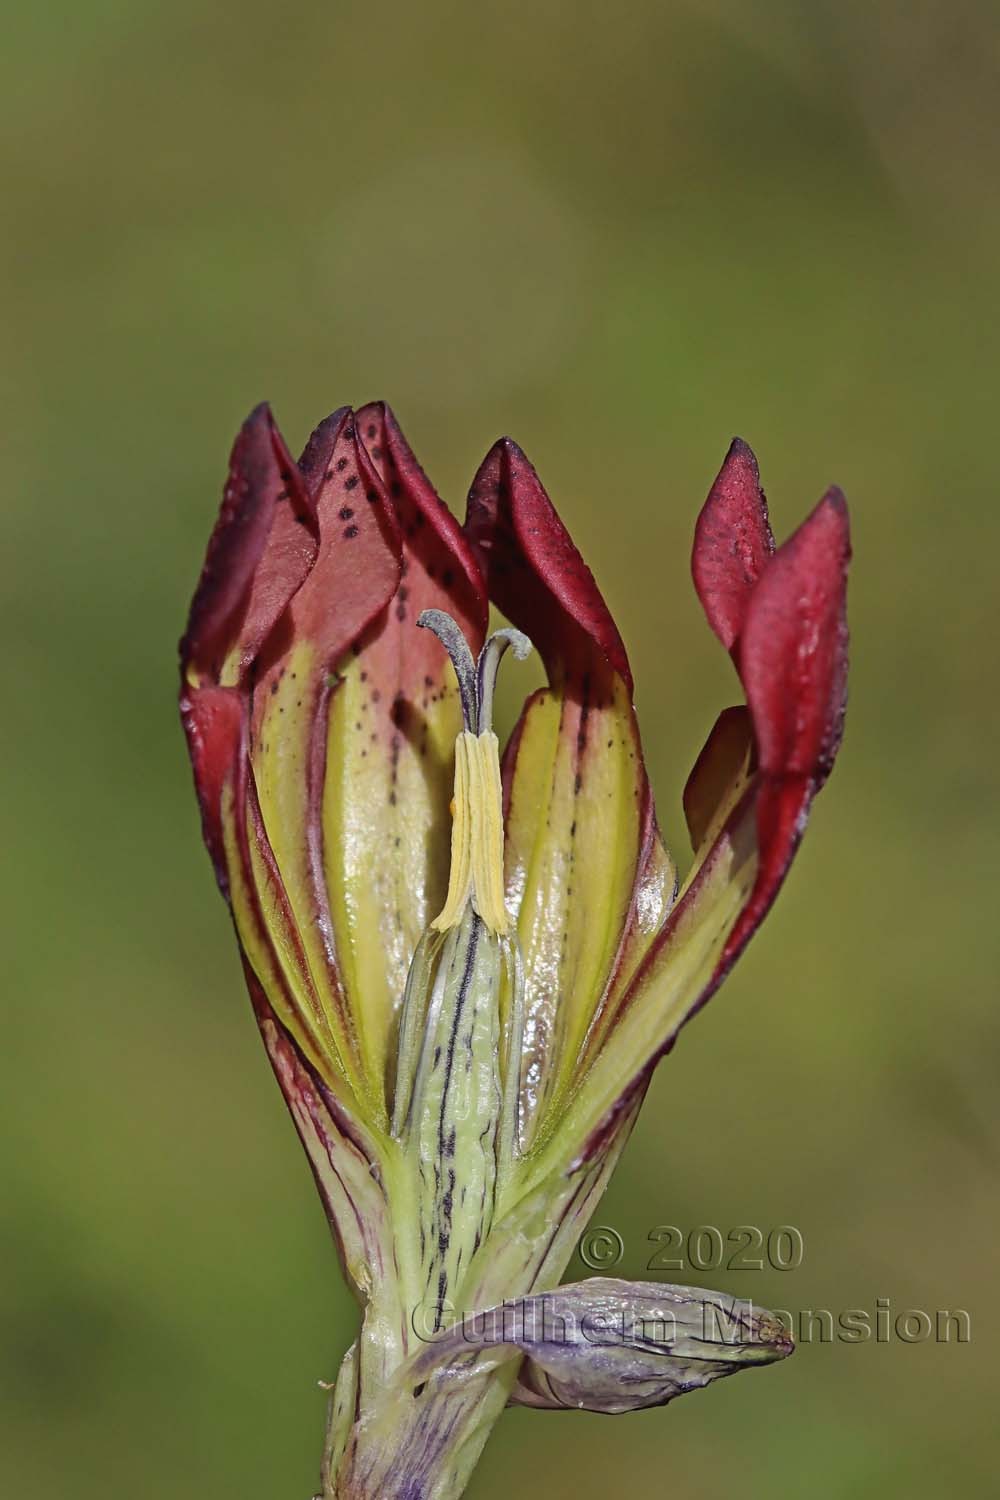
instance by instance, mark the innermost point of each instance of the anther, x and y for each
(477, 810)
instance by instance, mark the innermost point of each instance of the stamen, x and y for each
(460, 876)
(477, 810)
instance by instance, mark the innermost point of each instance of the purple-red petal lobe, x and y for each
(793, 662)
(214, 720)
(749, 795)
(260, 550)
(793, 650)
(535, 574)
(733, 543)
(452, 564)
(356, 567)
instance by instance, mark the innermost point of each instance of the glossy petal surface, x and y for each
(581, 837)
(322, 724)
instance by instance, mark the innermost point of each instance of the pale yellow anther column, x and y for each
(476, 835)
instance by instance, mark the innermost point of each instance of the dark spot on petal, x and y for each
(350, 532)
(345, 513)
(352, 482)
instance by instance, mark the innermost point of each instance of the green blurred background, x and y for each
(620, 235)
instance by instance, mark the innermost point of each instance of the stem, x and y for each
(413, 1443)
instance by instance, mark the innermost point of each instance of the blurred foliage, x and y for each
(620, 236)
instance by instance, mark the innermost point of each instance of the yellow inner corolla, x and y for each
(476, 835)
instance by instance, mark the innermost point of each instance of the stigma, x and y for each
(477, 811)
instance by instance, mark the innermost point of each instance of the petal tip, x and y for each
(834, 504)
(740, 451)
(536, 575)
(733, 542)
(237, 541)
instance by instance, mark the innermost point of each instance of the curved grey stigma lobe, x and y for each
(450, 635)
(476, 680)
(489, 663)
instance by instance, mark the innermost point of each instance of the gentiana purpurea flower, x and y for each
(466, 967)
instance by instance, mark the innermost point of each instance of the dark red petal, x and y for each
(793, 661)
(357, 568)
(214, 720)
(431, 537)
(535, 574)
(793, 650)
(261, 549)
(782, 811)
(732, 543)
(357, 563)
(792, 654)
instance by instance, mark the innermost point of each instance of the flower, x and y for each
(464, 973)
